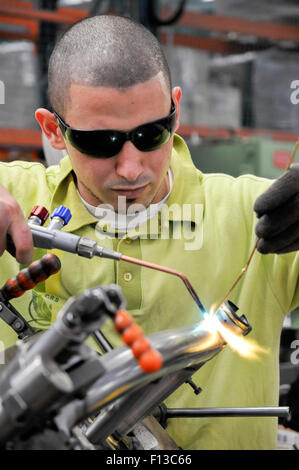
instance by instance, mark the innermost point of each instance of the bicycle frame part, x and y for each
(184, 350)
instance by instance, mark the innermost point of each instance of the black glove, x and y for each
(278, 213)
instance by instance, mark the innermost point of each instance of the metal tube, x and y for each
(179, 348)
(125, 374)
(56, 224)
(173, 272)
(279, 411)
(130, 409)
(102, 341)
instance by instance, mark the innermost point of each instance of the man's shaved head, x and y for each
(104, 50)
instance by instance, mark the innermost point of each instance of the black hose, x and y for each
(156, 21)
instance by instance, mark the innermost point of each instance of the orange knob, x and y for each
(122, 320)
(140, 346)
(150, 361)
(132, 335)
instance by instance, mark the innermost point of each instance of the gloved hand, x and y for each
(278, 213)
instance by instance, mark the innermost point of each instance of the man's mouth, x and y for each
(129, 192)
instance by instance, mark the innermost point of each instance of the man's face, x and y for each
(139, 176)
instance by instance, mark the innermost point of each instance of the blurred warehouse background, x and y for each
(236, 61)
(236, 65)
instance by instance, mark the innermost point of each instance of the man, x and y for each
(108, 73)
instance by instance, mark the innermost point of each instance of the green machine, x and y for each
(260, 156)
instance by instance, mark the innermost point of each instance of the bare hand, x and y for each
(14, 224)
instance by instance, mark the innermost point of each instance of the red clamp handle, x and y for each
(27, 278)
(132, 335)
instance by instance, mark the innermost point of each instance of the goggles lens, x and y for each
(108, 143)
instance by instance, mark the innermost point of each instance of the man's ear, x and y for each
(50, 128)
(176, 96)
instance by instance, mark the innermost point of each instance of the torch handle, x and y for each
(29, 277)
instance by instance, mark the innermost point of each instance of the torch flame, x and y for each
(245, 347)
(211, 337)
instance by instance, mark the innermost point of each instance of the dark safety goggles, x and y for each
(102, 143)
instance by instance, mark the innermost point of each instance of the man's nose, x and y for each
(129, 162)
